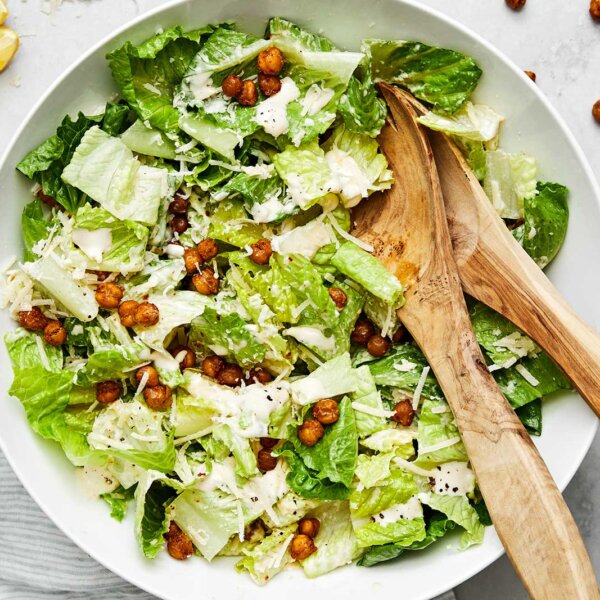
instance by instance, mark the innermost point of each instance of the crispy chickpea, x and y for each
(398, 335)
(261, 252)
(146, 314)
(531, 75)
(208, 249)
(205, 282)
(378, 345)
(362, 333)
(403, 413)
(127, 312)
(338, 296)
(186, 357)
(326, 411)
(255, 531)
(269, 84)
(55, 334)
(232, 86)
(158, 397)
(268, 443)
(310, 432)
(212, 366)
(249, 94)
(179, 544)
(192, 260)
(108, 391)
(101, 275)
(179, 223)
(47, 200)
(271, 61)
(259, 375)
(596, 111)
(230, 375)
(179, 206)
(302, 547)
(595, 9)
(309, 526)
(516, 4)
(152, 375)
(109, 295)
(266, 461)
(33, 320)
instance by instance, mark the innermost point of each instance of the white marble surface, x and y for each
(554, 38)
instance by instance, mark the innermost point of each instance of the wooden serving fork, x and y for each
(494, 268)
(407, 227)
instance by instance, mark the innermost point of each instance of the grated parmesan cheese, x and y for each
(42, 351)
(527, 375)
(370, 410)
(420, 386)
(348, 236)
(439, 446)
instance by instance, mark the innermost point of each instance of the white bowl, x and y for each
(532, 125)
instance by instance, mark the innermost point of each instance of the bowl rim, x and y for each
(464, 31)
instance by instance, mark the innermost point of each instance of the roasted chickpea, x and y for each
(259, 375)
(255, 531)
(179, 223)
(101, 275)
(205, 282)
(326, 411)
(108, 391)
(152, 375)
(158, 397)
(261, 252)
(47, 200)
(186, 357)
(266, 461)
(179, 206)
(302, 547)
(531, 75)
(179, 544)
(146, 314)
(362, 333)
(403, 413)
(212, 366)
(271, 61)
(269, 84)
(55, 334)
(33, 320)
(310, 432)
(249, 94)
(232, 86)
(309, 526)
(230, 375)
(338, 296)
(398, 335)
(595, 9)
(208, 249)
(268, 443)
(192, 260)
(596, 111)
(516, 4)
(109, 295)
(127, 312)
(377, 345)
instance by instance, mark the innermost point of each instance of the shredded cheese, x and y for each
(420, 386)
(347, 236)
(42, 351)
(411, 467)
(527, 375)
(439, 446)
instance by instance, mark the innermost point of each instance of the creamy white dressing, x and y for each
(347, 177)
(453, 479)
(95, 480)
(315, 99)
(263, 171)
(93, 242)
(216, 104)
(305, 240)
(201, 86)
(312, 336)
(409, 510)
(271, 114)
(271, 209)
(404, 366)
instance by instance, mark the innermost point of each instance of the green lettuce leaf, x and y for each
(442, 77)
(35, 226)
(367, 394)
(245, 460)
(118, 501)
(403, 532)
(531, 416)
(229, 224)
(291, 38)
(546, 220)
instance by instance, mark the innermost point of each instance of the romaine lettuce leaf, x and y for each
(531, 416)
(229, 223)
(118, 501)
(245, 460)
(291, 38)
(442, 77)
(403, 532)
(35, 226)
(367, 394)
(146, 140)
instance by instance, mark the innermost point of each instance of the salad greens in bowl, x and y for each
(201, 335)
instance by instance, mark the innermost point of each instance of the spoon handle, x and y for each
(529, 513)
(499, 273)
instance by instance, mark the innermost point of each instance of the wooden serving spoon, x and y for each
(494, 268)
(407, 227)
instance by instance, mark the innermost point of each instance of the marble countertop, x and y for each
(555, 39)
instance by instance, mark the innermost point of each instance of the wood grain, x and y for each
(495, 269)
(407, 225)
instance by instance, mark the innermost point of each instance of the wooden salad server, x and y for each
(407, 227)
(494, 268)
